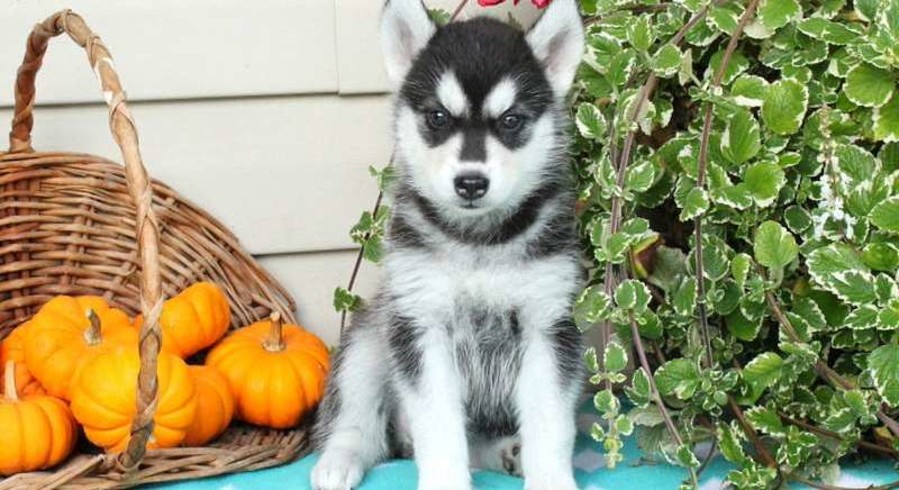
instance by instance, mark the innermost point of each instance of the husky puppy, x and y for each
(468, 354)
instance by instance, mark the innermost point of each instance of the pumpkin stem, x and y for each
(93, 335)
(274, 342)
(9, 382)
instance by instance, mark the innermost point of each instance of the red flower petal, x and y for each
(489, 3)
(541, 3)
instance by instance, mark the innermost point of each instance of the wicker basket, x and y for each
(78, 224)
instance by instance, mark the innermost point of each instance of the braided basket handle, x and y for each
(125, 134)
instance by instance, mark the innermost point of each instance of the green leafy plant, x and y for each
(738, 174)
(739, 183)
(368, 233)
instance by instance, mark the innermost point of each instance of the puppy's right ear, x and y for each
(406, 28)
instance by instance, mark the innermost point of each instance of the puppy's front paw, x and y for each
(337, 470)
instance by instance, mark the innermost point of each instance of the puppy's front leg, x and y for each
(430, 393)
(547, 394)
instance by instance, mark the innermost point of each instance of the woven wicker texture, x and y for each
(78, 224)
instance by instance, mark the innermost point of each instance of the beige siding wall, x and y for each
(266, 113)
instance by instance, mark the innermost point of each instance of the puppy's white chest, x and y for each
(437, 285)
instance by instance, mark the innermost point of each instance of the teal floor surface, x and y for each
(633, 473)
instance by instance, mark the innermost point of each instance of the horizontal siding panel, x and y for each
(360, 64)
(176, 49)
(311, 279)
(286, 174)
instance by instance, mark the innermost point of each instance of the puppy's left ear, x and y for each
(406, 29)
(557, 40)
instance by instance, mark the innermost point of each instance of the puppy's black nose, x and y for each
(471, 186)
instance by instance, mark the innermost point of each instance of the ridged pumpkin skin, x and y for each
(55, 343)
(215, 405)
(193, 320)
(38, 431)
(13, 349)
(272, 389)
(104, 399)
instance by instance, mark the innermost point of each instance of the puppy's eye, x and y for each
(438, 119)
(511, 122)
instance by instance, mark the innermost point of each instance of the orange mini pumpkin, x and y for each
(193, 320)
(13, 349)
(104, 399)
(215, 405)
(38, 431)
(276, 372)
(66, 332)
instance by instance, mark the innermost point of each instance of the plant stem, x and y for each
(757, 443)
(458, 10)
(93, 335)
(888, 421)
(609, 280)
(708, 458)
(654, 392)
(349, 288)
(275, 340)
(624, 157)
(605, 329)
(824, 371)
(704, 330)
(657, 351)
(10, 390)
(833, 435)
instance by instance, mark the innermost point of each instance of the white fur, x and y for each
(405, 30)
(436, 418)
(451, 95)
(500, 98)
(558, 42)
(547, 427)
(427, 285)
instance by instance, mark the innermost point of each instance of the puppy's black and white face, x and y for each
(477, 126)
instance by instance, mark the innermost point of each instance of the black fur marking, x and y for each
(559, 236)
(500, 423)
(513, 323)
(401, 234)
(517, 223)
(568, 348)
(435, 136)
(480, 53)
(516, 138)
(329, 408)
(403, 336)
(474, 145)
